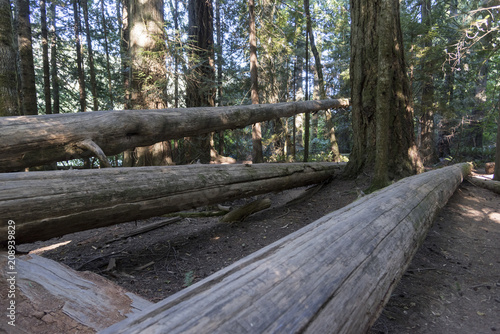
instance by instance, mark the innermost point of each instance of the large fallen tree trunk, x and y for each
(52, 298)
(332, 276)
(50, 204)
(27, 141)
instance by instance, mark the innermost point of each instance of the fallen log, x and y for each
(28, 141)
(332, 276)
(52, 298)
(239, 214)
(49, 204)
(486, 183)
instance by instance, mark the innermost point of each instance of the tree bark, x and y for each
(200, 85)
(106, 50)
(45, 58)
(93, 83)
(122, 9)
(38, 140)
(53, 59)
(257, 156)
(63, 202)
(492, 185)
(427, 145)
(69, 296)
(332, 276)
(8, 83)
(79, 60)
(496, 174)
(27, 67)
(147, 55)
(377, 58)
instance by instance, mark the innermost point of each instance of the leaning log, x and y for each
(50, 297)
(44, 205)
(27, 141)
(332, 276)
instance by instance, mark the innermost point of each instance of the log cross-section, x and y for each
(49, 204)
(332, 276)
(27, 141)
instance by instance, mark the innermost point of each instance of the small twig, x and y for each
(283, 215)
(145, 229)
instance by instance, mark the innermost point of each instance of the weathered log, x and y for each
(52, 298)
(53, 203)
(239, 214)
(332, 276)
(486, 183)
(27, 141)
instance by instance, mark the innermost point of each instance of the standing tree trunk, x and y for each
(27, 67)
(106, 50)
(122, 8)
(219, 70)
(200, 87)
(321, 85)
(308, 115)
(8, 83)
(257, 156)
(147, 56)
(496, 175)
(45, 58)
(79, 61)
(93, 85)
(53, 59)
(381, 110)
(427, 145)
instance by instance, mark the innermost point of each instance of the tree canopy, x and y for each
(82, 58)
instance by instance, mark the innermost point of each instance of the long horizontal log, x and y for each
(27, 141)
(332, 276)
(50, 204)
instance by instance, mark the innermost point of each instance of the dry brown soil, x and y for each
(452, 285)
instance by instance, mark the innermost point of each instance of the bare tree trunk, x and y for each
(307, 115)
(257, 156)
(201, 88)
(79, 60)
(8, 75)
(45, 58)
(123, 20)
(219, 70)
(106, 50)
(53, 59)
(332, 276)
(92, 198)
(27, 67)
(377, 58)
(34, 141)
(427, 146)
(93, 84)
(496, 175)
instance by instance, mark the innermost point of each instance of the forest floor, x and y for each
(451, 286)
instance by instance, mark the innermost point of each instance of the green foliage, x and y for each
(188, 278)
(457, 46)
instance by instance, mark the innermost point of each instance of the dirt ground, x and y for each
(452, 285)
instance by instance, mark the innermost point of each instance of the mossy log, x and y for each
(29, 141)
(332, 276)
(53, 203)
